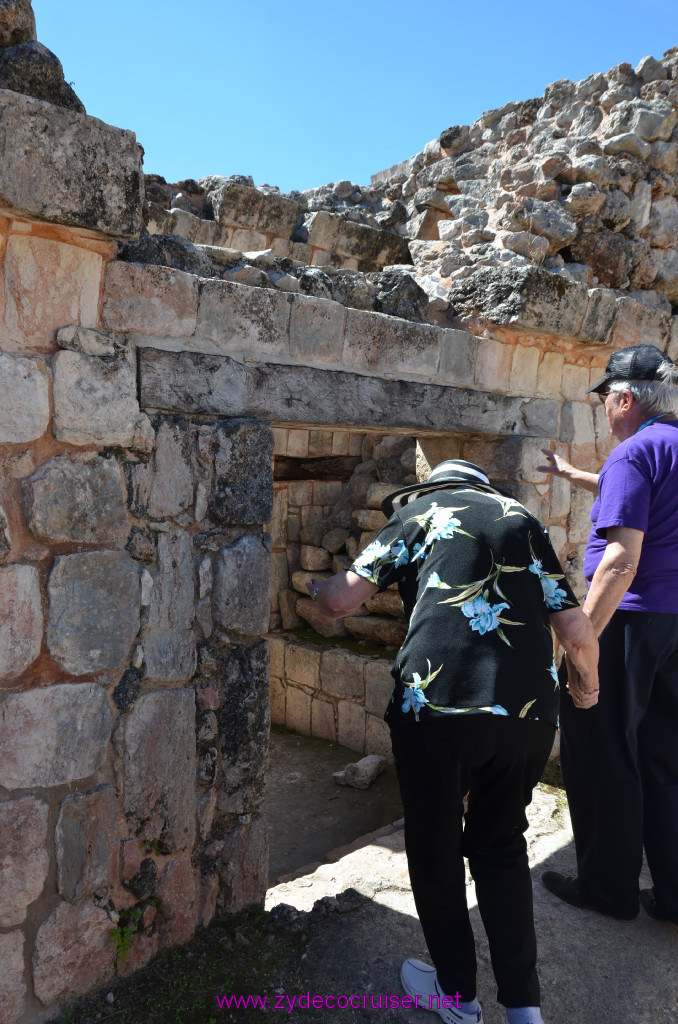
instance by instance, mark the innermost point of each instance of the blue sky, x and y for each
(303, 93)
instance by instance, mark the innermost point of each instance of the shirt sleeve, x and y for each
(384, 559)
(558, 593)
(625, 493)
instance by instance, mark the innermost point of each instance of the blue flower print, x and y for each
(483, 615)
(419, 551)
(554, 672)
(497, 709)
(400, 553)
(414, 698)
(536, 567)
(553, 594)
(434, 580)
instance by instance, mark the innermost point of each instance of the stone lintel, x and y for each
(204, 385)
(83, 173)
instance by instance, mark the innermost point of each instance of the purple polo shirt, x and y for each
(639, 489)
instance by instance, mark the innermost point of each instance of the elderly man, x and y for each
(620, 760)
(473, 711)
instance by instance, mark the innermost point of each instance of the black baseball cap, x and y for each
(637, 362)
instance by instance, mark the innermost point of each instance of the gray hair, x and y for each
(654, 397)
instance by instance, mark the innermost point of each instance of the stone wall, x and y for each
(330, 692)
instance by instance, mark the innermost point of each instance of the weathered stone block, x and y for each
(378, 686)
(54, 735)
(667, 273)
(24, 860)
(13, 977)
(158, 301)
(172, 487)
(77, 498)
(527, 298)
(649, 119)
(302, 665)
(24, 410)
(84, 173)
(244, 724)
(323, 720)
(87, 841)
(366, 340)
(240, 599)
(493, 365)
(524, 369)
(93, 610)
(243, 870)
(575, 381)
(342, 674)
(160, 767)
(376, 628)
(237, 318)
(178, 895)
(322, 624)
(47, 284)
(637, 323)
(387, 603)
(242, 491)
(95, 400)
(21, 619)
(314, 559)
(298, 710)
(600, 316)
(17, 23)
(377, 737)
(316, 330)
(351, 726)
(168, 638)
(278, 216)
(73, 952)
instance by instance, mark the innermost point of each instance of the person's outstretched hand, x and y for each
(556, 466)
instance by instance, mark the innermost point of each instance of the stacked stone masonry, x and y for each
(148, 394)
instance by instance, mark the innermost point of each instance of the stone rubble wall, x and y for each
(332, 693)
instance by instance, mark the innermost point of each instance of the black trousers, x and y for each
(620, 764)
(497, 761)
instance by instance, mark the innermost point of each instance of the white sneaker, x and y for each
(418, 979)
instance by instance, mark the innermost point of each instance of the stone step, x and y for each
(376, 628)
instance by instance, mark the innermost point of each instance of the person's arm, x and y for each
(558, 466)
(614, 575)
(342, 594)
(575, 632)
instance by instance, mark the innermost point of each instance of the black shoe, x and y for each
(573, 891)
(650, 904)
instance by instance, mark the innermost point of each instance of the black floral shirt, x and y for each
(478, 578)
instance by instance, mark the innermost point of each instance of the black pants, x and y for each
(620, 764)
(497, 761)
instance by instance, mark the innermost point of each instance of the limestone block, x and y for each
(277, 699)
(548, 219)
(150, 299)
(342, 674)
(47, 284)
(278, 216)
(322, 624)
(24, 410)
(287, 602)
(377, 737)
(77, 498)
(244, 726)
(386, 603)
(168, 638)
(524, 369)
(172, 487)
(21, 619)
(638, 323)
(667, 273)
(242, 582)
(73, 952)
(369, 519)
(493, 364)
(243, 870)
(302, 665)
(627, 142)
(276, 654)
(672, 350)
(376, 628)
(650, 119)
(316, 330)
(160, 767)
(526, 298)
(413, 348)
(178, 895)
(550, 373)
(579, 522)
(93, 610)
(87, 842)
(240, 319)
(599, 319)
(323, 720)
(661, 230)
(376, 494)
(559, 497)
(242, 490)
(17, 23)
(314, 559)
(95, 400)
(298, 710)
(351, 726)
(575, 381)
(54, 735)
(13, 977)
(24, 860)
(233, 203)
(83, 172)
(378, 685)
(366, 339)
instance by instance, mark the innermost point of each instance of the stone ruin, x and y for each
(207, 387)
